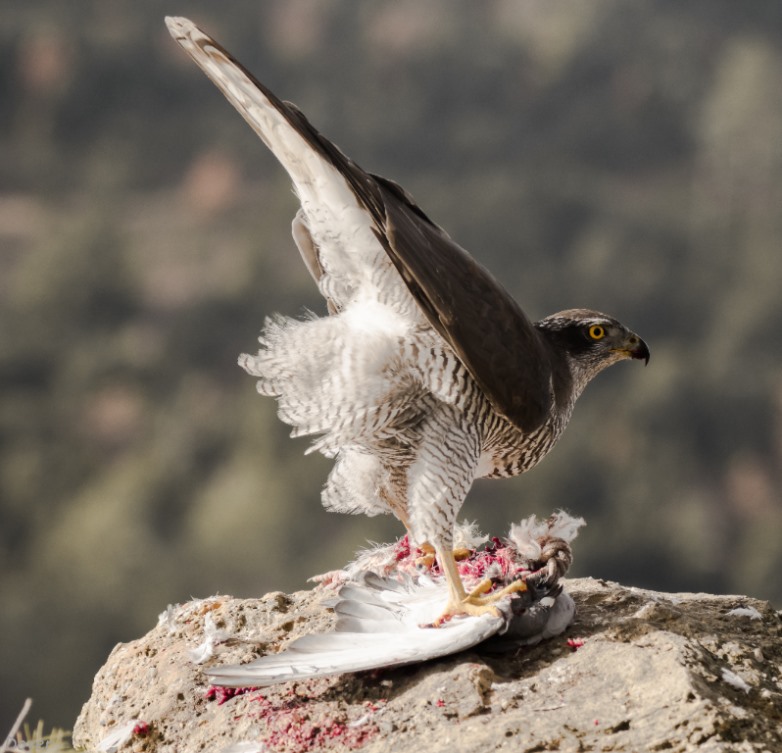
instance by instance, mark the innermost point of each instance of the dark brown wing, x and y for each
(478, 318)
(482, 323)
(462, 300)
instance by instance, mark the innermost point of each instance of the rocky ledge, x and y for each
(636, 671)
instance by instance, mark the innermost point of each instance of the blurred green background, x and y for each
(620, 156)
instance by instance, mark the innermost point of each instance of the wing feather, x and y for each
(471, 310)
(461, 300)
(379, 636)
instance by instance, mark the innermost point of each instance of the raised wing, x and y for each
(462, 301)
(478, 318)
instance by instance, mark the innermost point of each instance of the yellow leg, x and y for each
(474, 603)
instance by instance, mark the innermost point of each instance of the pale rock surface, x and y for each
(656, 672)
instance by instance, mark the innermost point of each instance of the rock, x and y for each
(637, 671)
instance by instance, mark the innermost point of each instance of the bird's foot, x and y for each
(425, 561)
(479, 601)
(517, 587)
(428, 558)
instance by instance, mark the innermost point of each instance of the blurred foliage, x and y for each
(621, 156)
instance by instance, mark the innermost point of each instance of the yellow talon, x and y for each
(483, 587)
(479, 601)
(518, 586)
(427, 559)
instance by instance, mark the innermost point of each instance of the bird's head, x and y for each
(590, 341)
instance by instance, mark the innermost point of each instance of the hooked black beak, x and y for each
(637, 348)
(634, 347)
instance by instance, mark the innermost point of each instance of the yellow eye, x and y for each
(596, 332)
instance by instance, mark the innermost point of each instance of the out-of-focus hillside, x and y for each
(625, 157)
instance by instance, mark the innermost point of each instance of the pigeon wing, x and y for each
(381, 623)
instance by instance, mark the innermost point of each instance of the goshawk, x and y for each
(426, 374)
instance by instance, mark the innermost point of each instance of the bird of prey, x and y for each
(426, 374)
